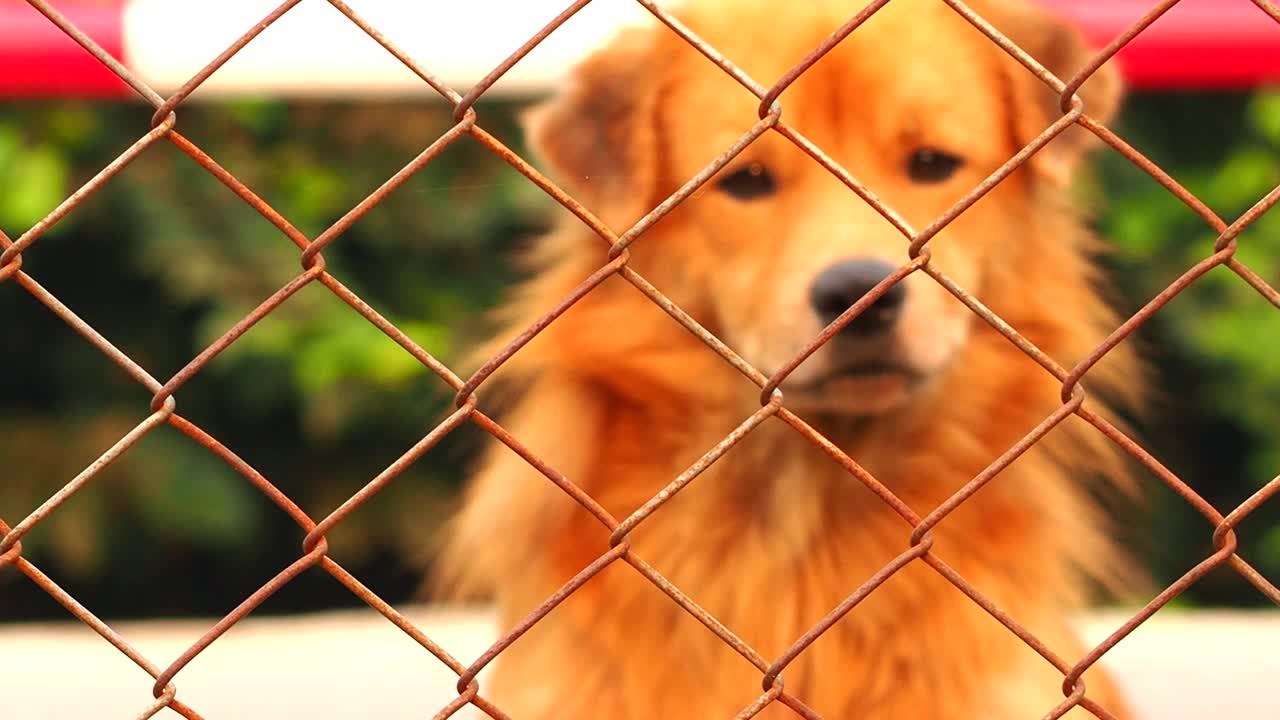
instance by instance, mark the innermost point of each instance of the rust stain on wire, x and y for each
(917, 538)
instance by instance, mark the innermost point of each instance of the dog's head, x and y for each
(916, 104)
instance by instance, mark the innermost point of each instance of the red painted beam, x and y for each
(1224, 44)
(37, 59)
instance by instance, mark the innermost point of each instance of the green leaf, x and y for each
(186, 492)
(1269, 550)
(1248, 173)
(1264, 115)
(34, 183)
(356, 349)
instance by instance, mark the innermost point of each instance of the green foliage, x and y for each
(165, 259)
(190, 496)
(1214, 346)
(1231, 328)
(33, 175)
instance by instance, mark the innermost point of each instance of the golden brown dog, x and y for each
(920, 107)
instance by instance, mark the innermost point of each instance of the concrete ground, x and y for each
(1178, 666)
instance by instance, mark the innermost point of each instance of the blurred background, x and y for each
(164, 259)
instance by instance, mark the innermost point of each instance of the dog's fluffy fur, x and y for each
(621, 399)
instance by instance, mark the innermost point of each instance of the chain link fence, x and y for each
(614, 261)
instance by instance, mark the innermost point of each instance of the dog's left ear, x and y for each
(1034, 105)
(599, 134)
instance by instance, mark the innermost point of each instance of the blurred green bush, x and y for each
(1214, 347)
(164, 259)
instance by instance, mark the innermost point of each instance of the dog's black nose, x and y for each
(842, 284)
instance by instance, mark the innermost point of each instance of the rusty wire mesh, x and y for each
(163, 408)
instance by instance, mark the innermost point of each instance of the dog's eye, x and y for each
(749, 183)
(929, 165)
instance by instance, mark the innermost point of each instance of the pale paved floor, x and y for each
(1180, 666)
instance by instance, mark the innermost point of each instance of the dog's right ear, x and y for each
(1062, 50)
(599, 134)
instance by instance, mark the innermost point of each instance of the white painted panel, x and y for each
(315, 50)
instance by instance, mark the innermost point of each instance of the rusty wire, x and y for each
(919, 543)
